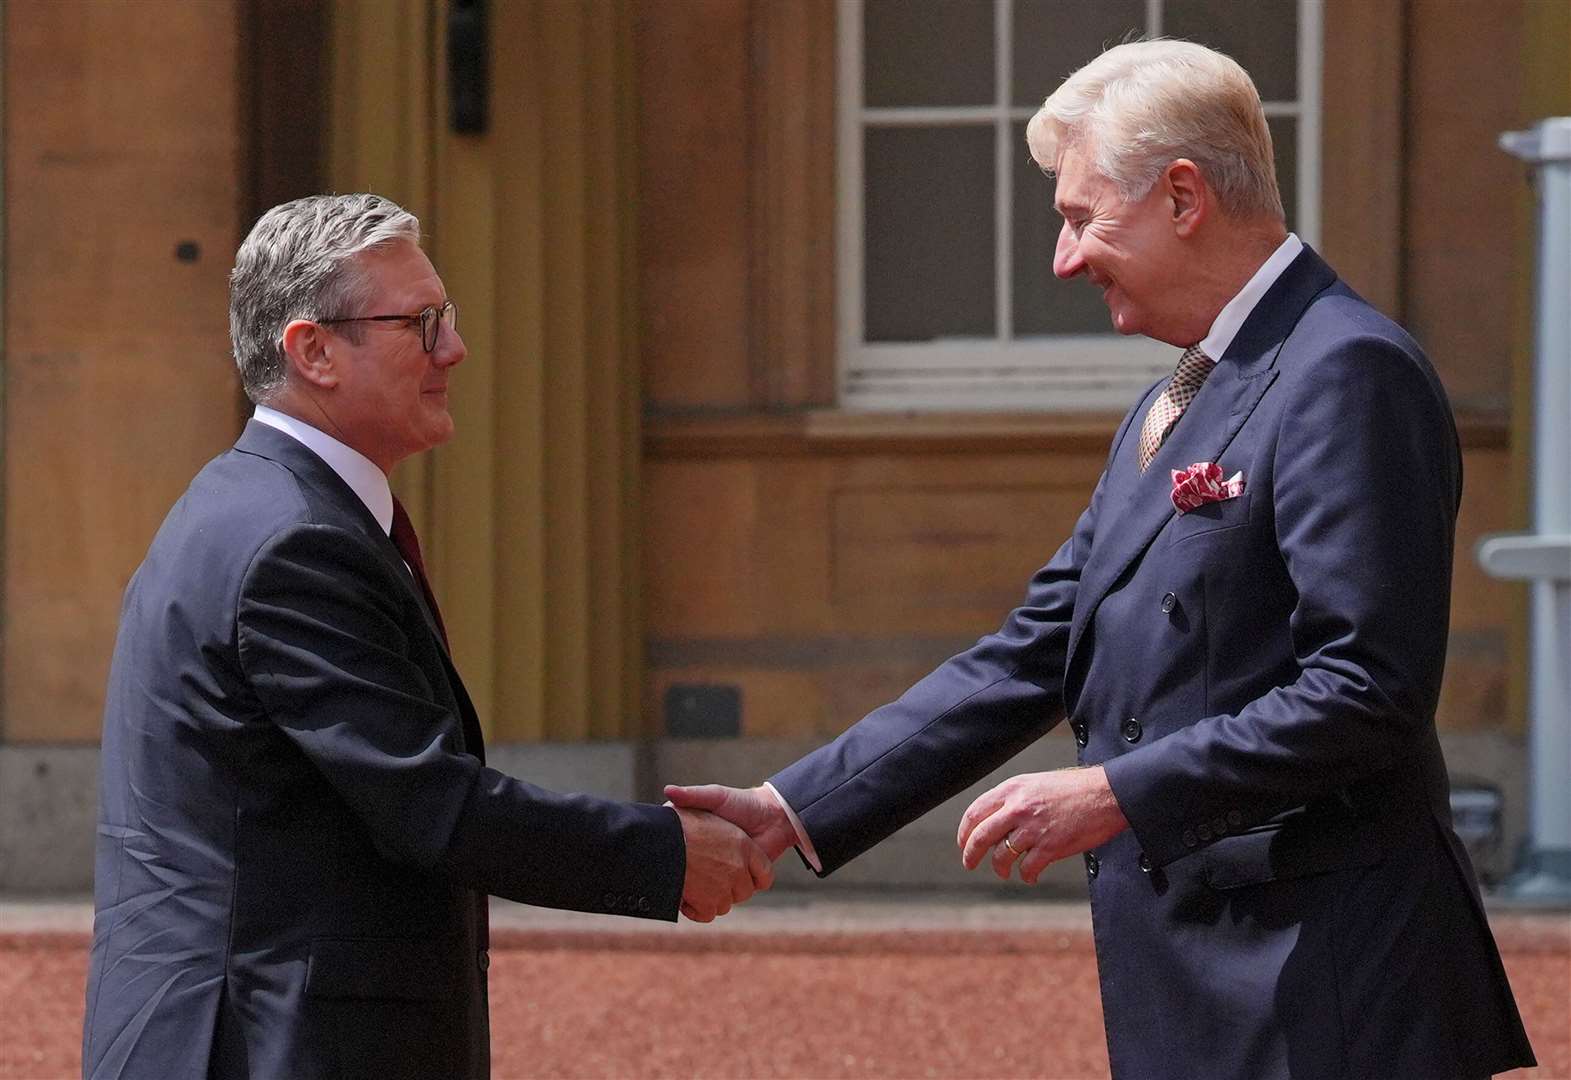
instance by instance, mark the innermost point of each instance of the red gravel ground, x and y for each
(818, 1005)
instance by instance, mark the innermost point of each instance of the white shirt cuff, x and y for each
(803, 844)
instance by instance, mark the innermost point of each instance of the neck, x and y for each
(1221, 265)
(308, 408)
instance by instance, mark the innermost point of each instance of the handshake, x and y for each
(734, 835)
(733, 838)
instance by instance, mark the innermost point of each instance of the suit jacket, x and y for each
(1259, 678)
(297, 830)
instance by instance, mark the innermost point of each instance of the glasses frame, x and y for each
(429, 320)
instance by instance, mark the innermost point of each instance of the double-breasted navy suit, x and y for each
(1258, 677)
(297, 830)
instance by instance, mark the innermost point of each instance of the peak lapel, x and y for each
(1203, 433)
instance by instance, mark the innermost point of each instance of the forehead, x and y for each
(1079, 186)
(400, 273)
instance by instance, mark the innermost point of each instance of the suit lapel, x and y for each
(275, 445)
(1141, 503)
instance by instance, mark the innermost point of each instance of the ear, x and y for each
(1188, 194)
(309, 352)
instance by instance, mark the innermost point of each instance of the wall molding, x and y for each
(843, 433)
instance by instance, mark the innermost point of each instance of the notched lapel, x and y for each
(292, 454)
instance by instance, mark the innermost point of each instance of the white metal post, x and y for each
(1543, 557)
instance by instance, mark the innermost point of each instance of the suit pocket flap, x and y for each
(1277, 853)
(399, 968)
(1210, 517)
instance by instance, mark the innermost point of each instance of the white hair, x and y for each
(298, 262)
(1141, 105)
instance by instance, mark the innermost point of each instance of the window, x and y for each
(946, 226)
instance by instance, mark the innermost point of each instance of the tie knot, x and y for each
(1193, 367)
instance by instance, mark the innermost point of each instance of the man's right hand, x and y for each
(754, 810)
(724, 866)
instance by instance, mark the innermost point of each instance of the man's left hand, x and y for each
(1045, 817)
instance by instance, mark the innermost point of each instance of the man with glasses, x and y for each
(297, 831)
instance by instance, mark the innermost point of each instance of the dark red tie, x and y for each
(408, 545)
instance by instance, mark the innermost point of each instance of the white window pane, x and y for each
(1261, 35)
(1043, 303)
(927, 52)
(929, 267)
(1284, 141)
(1054, 37)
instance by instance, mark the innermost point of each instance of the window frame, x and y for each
(1053, 373)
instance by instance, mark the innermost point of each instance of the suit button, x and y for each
(643, 903)
(612, 901)
(1093, 868)
(1234, 818)
(1189, 838)
(1145, 862)
(1081, 738)
(1169, 602)
(484, 959)
(1204, 831)
(1133, 730)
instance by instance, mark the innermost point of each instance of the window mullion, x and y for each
(1003, 212)
(851, 255)
(1310, 15)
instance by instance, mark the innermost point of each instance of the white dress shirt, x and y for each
(1223, 330)
(353, 468)
(1231, 318)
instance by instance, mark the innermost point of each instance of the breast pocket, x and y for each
(1210, 518)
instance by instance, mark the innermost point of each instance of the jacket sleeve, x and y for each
(959, 722)
(322, 640)
(1365, 491)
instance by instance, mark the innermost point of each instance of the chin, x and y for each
(1125, 324)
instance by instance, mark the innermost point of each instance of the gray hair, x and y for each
(1141, 105)
(299, 263)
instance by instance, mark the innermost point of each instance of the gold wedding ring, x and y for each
(1012, 848)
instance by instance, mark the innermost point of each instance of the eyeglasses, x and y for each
(428, 320)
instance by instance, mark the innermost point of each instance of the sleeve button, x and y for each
(1234, 818)
(1132, 730)
(1189, 838)
(1204, 832)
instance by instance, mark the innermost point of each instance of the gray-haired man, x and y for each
(297, 830)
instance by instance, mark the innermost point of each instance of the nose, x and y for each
(1066, 257)
(450, 348)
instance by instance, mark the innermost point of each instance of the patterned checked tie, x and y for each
(1193, 367)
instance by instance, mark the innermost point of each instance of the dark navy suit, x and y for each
(297, 831)
(1259, 678)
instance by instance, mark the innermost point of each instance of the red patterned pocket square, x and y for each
(1202, 483)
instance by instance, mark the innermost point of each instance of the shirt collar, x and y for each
(1231, 318)
(353, 468)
